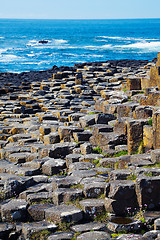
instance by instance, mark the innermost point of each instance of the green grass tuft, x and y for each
(154, 165)
(121, 153)
(40, 235)
(97, 150)
(132, 176)
(91, 113)
(150, 122)
(103, 217)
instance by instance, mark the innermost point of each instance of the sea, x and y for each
(74, 41)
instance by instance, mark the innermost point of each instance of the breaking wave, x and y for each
(10, 58)
(126, 38)
(34, 42)
(142, 45)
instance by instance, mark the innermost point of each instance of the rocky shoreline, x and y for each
(79, 152)
(15, 80)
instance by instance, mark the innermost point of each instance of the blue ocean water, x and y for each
(74, 41)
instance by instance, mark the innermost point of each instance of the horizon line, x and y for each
(78, 18)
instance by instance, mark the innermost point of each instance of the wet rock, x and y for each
(134, 84)
(151, 235)
(90, 157)
(66, 133)
(123, 195)
(51, 138)
(147, 137)
(43, 41)
(63, 213)
(104, 118)
(81, 137)
(130, 236)
(120, 174)
(37, 211)
(22, 157)
(94, 190)
(98, 128)
(92, 207)
(147, 192)
(80, 166)
(108, 140)
(61, 235)
(87, 120)
(39, 197)
(94, 235)
(156, 129)
(155, 156)
(72, 158)
(37, 229)
(74, 121)
(62, 149)
(126, 109)
(6, 229)
(14, 210)
(92, 226)
(83, 173)
(142, 112)
(65, 182)
(53, 166)
(86, 148)
(120, 126)
(135, 134)
(65, 195)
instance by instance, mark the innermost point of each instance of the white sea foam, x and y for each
(60, 41)
(108, 37)
(101, 40)
(126, 38)
(28, 63)
(2, 38)
(71, 54)
(94, 55)
(43, 62)
(36, 43)
(73, 47)
(90, 47)
(107, 46)
(31, 55)
(55, 43)
(3, 50)
(32, 43)
(10, 58)
(142, 45)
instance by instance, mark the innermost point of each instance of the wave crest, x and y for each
(60, 41)
(142, 45)
(10, 58)
(34, 42)
(126, 38)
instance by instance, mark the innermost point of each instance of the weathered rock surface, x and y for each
(77, 145)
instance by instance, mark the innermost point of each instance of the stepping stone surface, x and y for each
(63, 213)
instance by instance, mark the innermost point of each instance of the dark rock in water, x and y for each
(43, 41)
